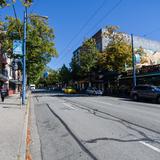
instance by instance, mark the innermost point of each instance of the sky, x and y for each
(75, 20)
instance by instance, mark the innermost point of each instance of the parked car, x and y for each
(145, 92)
(90, 91)
(70, 90)
(32, 86)
(93, 91)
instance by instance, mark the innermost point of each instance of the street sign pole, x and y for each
(24, 58)
(133, 62)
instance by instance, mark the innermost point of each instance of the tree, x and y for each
(75, 68)
(40, 45)
(5, 3)
(88, 56)
(64, 75)
(51, 80)
(117, 53)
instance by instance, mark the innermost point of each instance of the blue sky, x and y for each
(67, 17)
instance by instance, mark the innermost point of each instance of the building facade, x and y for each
(10, 77)
(151, 57)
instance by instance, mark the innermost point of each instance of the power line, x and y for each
(106, 15)
(151, 32)
(83, 26)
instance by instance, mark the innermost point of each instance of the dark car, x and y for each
(146, 92)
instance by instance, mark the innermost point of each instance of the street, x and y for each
(81, 127)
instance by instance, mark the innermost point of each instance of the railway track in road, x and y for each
(98, 111)
(130, 125)
(143, 131)
(82, 146)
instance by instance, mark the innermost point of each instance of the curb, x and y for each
(22, 150)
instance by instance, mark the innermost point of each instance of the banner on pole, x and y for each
(17, 47)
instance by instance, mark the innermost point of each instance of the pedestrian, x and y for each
(3, 94)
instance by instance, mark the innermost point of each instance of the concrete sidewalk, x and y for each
(13, 128)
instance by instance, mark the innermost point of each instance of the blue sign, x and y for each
(17, 47)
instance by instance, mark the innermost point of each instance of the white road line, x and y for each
(150, 146)
(68, 105)
(104, 103)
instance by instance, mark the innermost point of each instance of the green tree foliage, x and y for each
(64, 74)
(40, 45)
(75, 68)
(117, 53)
(83, 62)
(88, 56)
(51, 80)
(5, 3)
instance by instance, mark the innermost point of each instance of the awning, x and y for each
(15, 81)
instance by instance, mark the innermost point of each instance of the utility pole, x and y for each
(133, 62)
(24, 57)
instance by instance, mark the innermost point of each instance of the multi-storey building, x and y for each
(151, 49)
(10, 78)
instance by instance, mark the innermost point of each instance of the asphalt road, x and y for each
(76, 127)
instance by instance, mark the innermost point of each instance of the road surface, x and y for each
(81, 127)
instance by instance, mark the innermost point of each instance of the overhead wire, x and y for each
(106, 15)
(151, 32)
(82, 28)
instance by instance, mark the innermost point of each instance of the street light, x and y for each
(24, 57)
(24, 53)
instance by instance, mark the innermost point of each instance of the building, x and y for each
(150, 47)
(10, 78)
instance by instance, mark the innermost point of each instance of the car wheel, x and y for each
(135, 97)
(158, 100)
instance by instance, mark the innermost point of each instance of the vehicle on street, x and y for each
(93, 91)
(70, 90)
(32, 86)
(145, 92)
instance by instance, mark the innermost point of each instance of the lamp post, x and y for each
(133, 62)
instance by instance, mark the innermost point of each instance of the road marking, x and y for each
(68, 105)
(150, 146)
(104, 103)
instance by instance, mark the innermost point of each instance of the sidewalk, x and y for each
(13, 118)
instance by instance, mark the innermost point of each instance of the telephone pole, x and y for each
(133, 62)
